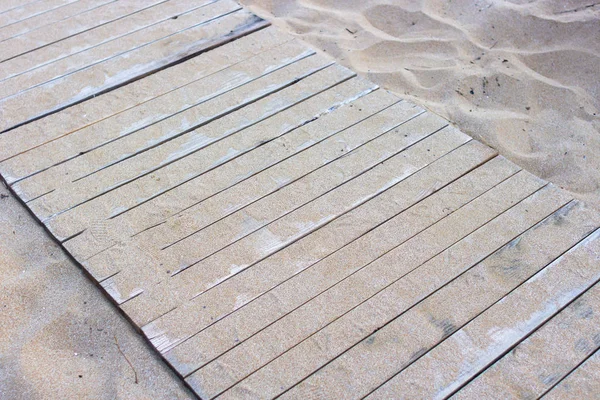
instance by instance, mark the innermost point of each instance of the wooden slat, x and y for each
(9, 5)
(23, 9)
(92, 81)
(406, 292)
(277, 226)
(57, 13)
(225, 232)
(99, 44)
(315, 116)
(205, 274)
(31, 9)
(76, 157)
(176, 174)
(437, 317)
(162, 247)
(260, 313)
(472, 348)
(580, 383)
(71, 26)
(385, 273)
(68, 121)
(335, 273)
(549, 354)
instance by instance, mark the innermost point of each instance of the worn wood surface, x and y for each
(276, 225)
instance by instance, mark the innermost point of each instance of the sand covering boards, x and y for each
(276, 225)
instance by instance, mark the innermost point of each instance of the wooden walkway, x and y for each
(276, 225)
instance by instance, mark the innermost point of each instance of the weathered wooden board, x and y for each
(265, 176)
(105, 42)
(43, 13)
(384, 353)
(94, 150)
(114, 30)
(54, 126)
(565, 341)
(580, 383)
(12, 12)
(56, 31)
(289, 294)
(96, 79)
(498, 329)
(277, 226)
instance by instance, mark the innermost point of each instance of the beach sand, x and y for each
(521, 76)
(57, 331)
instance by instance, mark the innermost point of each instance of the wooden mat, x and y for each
(276, 225)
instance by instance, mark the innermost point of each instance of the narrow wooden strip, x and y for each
(146, 139)
(197, 246)
(318, 115)
(332, 271)
(101, 145)
(71, 26)
(394, 300)
(118, 71)
(437, 317)
(550, 353)
(79, 116)
(142, 28)
(288, 172)
(245, 253)
(579, 383)
(25, 11)
(182, 174)
(368, 278)
(88, 40)
(9, 5)
(56, 14)
(151, 242)
(317, 252)
(530, 367)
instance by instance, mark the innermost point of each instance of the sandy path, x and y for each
(521, 76)
(57, 331)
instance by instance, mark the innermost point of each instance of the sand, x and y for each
(57, 331)
(521, 76)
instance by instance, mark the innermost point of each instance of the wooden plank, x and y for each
(117, 71)
(96, 36)
(176, 174)
(214, 270)
(322, 116)
(9, 5)
(362, 321)
(438, 316)
(561, 344)
(59, 30)
(277, 177)
(347, 264)
(154, 200)
(28, 10)
(152, 242)
(533, 366)
(201, 244)
(68, 121)
(79, 116)
(84, 114)
(374, 274)
(50, 15)
(68, 161)
(580, 383)
(99, 44)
